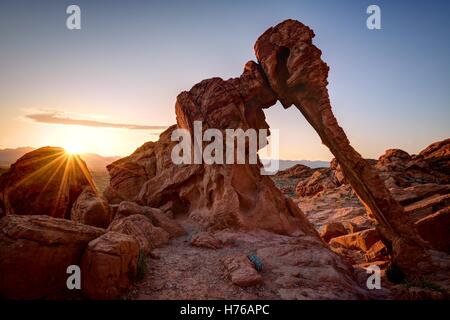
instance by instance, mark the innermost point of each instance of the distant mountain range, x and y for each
(94, 161)
(97, 162)
(285, 164)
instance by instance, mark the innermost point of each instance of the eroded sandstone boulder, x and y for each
(140, 227)
(435, 228)
(161, 220)
(157, 217)
(35, 252)
(206, 240)
(332, 230)
(109, 266)
(241, 271)
(46, 181)
(129, 174)
(376, 252)
(321, 179)
(361, 240)
(92, 209)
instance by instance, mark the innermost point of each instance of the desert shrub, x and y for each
(141, 266)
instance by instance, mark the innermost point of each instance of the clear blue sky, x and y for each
(388, 87)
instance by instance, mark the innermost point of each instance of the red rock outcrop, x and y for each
(361, 240)
(156, 216)
(223, 196)
(46, 181)
(437, 155)
(130, 173)
(140, 227)
(321, 179)
(206, 240)
(332, 230)
(218, 196)
(435, 228)
(298, 76)
(241, 271)
(92, 209)
(398, 169)
(109, 266)
(35, 252)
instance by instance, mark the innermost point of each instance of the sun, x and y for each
(73, 148)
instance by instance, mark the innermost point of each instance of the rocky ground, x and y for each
(291, 269)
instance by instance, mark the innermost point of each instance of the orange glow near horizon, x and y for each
(73, 148)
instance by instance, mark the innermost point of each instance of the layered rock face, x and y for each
(399, 169)
(46, 181)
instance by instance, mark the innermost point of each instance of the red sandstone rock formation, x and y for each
(241, 271)
(46, 181)
(298, 76)
(206, 240)
(35, 252)
(91, 209)
(140, 228)
(109, 265)
(222, 196)
(321, 179)
(435, 228)
(217, 196)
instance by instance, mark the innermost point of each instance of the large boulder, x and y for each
(361, 240)
(109, 266)
(157, 217)
(398, 169)
(205, 240)
(161, 219)
(140, 227)
(241, 271)
(435, 228)
(437, 155)
(92, 209)
(35, 252)
(46, 181)
(129, 174)
(332, 230)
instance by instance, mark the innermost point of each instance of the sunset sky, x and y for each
(112, 85)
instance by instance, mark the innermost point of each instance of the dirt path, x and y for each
(299, 267)
(186, 272)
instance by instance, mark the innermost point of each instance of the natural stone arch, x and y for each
(298, 76)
